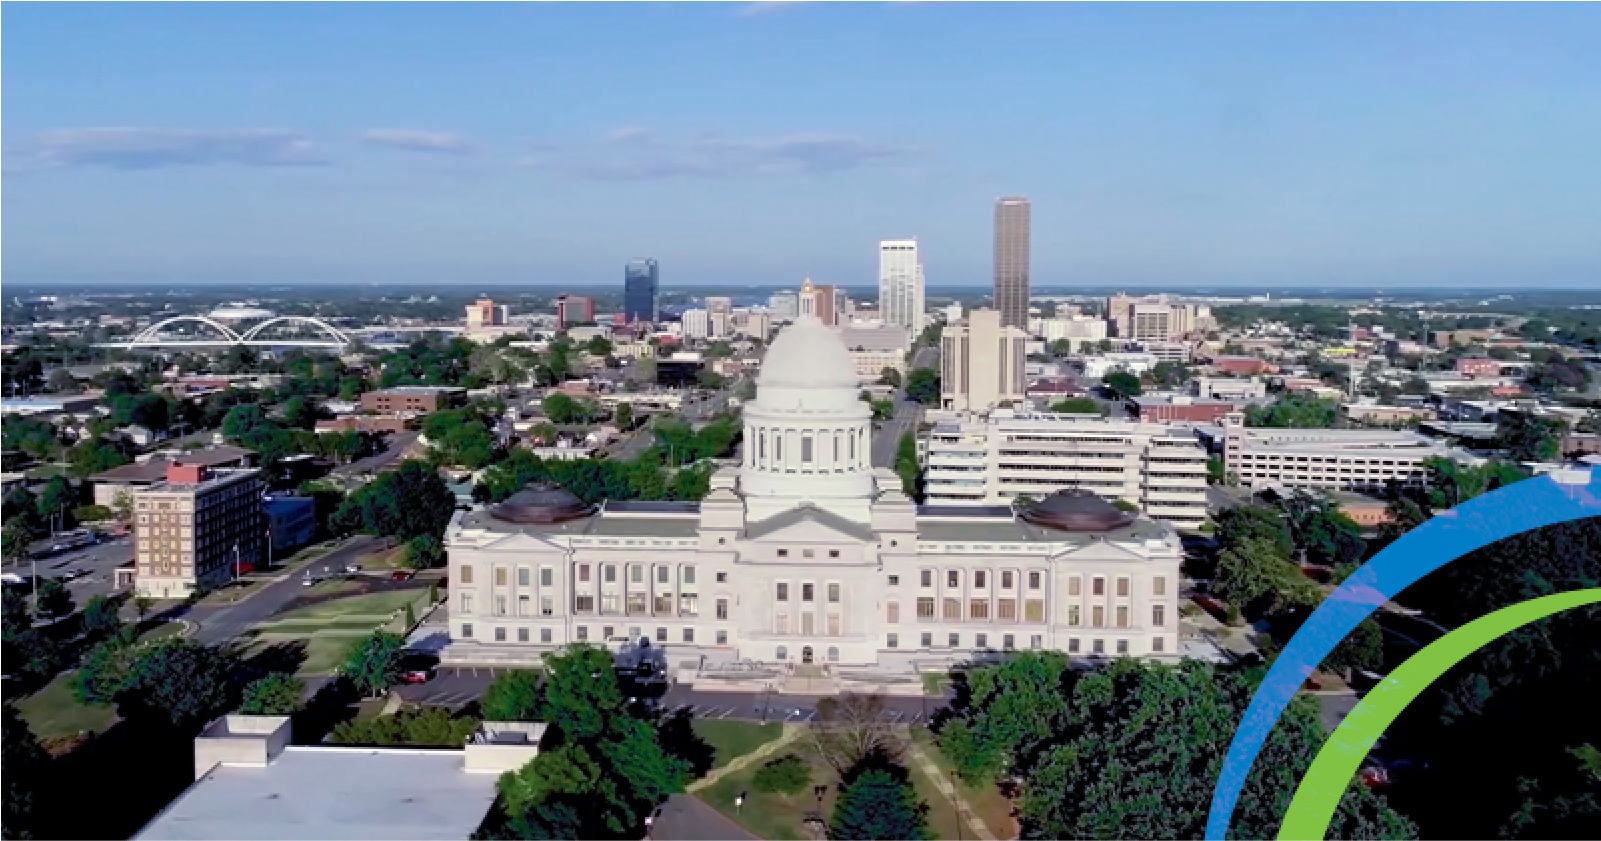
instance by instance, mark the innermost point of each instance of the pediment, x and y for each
(1100, 550)
(521, 542)
(808, 525)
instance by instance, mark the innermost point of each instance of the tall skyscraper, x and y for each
(640, 285)
(1011, 261)
(900, 284)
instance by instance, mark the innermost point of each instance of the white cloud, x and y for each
(635, 154)
(150, 148)
(415, 140)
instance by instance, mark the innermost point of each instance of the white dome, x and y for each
(807, 354)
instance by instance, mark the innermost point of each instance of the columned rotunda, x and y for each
(807, 554)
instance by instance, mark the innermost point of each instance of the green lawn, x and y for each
(935, 683)
(992, 808)
(735, 738)
(329, 629)
(370, 604)
(52, 711)
(771, 816)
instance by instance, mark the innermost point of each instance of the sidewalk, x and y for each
(915, 752)
(790, 734)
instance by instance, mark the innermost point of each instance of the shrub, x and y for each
(786, 775)
(275, 694)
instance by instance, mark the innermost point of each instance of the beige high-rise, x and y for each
(1011, 261)
(981, 363)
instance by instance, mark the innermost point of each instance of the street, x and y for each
(395, 444)
(220, 623)
(908, 414)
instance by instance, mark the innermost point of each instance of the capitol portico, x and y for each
(806, 554)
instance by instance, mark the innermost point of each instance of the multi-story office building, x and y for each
(697, 324)
(1012, 261)
(1076, 330)
(199, 527)
(805, 554)
(720, 316)
(1155, 318)
(574, 309)
(992, 460)
(982, 363)
(783, 306)
(486, 313)
(414, 399)
(640, 291)
(900, 284)
(1332, 459)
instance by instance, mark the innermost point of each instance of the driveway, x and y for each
(685, 817)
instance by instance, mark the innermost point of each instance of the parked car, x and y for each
(403, 575)
(76, 573)
(417, 676)
(352, 569)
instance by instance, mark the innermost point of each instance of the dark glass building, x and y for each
(639, 291)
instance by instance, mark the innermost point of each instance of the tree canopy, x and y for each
(404, 503)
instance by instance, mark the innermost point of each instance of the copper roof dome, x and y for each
(541, 503)
(1075, 510)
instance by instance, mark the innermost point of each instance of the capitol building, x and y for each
(805, 554)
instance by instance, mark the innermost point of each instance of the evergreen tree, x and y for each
(877, 805)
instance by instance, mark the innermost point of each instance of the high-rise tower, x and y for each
(1011, 261)
(639, 291)
(900, 284)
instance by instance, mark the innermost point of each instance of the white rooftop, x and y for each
(333, 793)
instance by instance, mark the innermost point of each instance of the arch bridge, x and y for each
(158, 336)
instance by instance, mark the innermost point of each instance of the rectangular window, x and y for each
(722, 578)
(722, 609)
(1098, 616)
(1122, 646)
(1098, 586)
(661, 634)
(1122, 587)
(892, 613)
(808, 623)
(611, 574)
(1006, 579)
(892, 641)
(664, 603)
(636, 574)
(1006, 609)
(979, 579)
(522, 634)
(607, 632)
(981, 641)
(663, 575)
(500, 635)
(783, 592)
(1158, 615)
(583, 573)
(524, 604)
(636, 604)
(1159, 585)
(1098, 646)
(1156, 644)
(1073, 615)
(808, 553)
(833, 553)
(783, 553)
(583, 633)
(608, 604)
(928, 640)
(467, 603)
(547, 606)
(1036, 641)
(806, 592)
(722, 637)
(467, 631)
(928, 578)
(1034, 581)
(1072, 645)
(584, 604)
(833, 593)
(689, 635)
(1034, 610)
(953, 578)
(894, 580)
(500, 605)
(806, 449)
(953, 610)
(954, 641)
(466, 574)
(781, 623)
(1122, 616)
(1074, 585)
(689, 575)
(500, 576)
(546, 576)
(522, 576)
(544, 635)
(978, 609)
(689, 605)
(925, 608)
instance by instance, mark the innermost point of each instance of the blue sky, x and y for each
(1179, 145)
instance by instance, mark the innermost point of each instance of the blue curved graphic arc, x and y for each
(1447, 536)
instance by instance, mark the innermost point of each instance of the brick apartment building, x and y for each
(416, 399)
(195, 528)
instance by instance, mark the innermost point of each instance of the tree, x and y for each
(623, 416)
(25, 764)
(598, 346)
(560, 408)
(581, 694)
(62, 382)
(1321, 533)
(710, 379)
(55, 600)
(373, 664)
(890, 377)
(423, 552)
(299, 412)
(1295, 410)
(788, 774)
(241, 420)
(908, 468)
(142, 605)
(882, 409)
(1122, 384)
(104, 670)
(877, 805)
(56, 497)
(923, 385)
(275, 694)
(850, 728)
(15, 540)
(1076, 406)
(1252, 573)
(1363, 648)
(512, 696)
(92, 456)
(427, 727)
(1530, 438)
(100, 617)
(404, 503)
(176, 683)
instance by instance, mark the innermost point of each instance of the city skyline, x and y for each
(1287, 147)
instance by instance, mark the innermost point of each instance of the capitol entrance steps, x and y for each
(809, 679)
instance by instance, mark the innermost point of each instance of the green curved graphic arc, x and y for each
(1321, 788)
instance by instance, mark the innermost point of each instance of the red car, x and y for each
(402, 575)
(417, 676)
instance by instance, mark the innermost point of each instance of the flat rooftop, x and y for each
(332, 793)
(155, 470)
